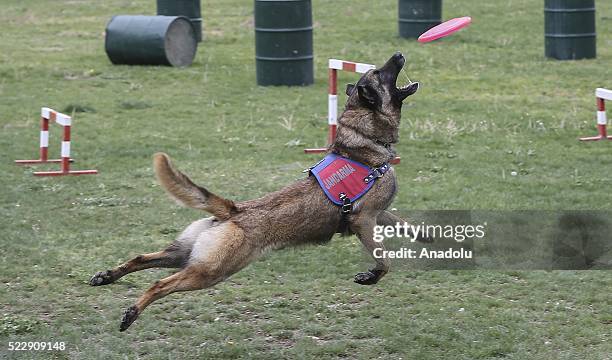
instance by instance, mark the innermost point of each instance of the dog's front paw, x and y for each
(101, 278)
(368, 278)
(130, 315)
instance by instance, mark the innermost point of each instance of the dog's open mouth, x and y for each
(394, 67)
(405, 87)
(408, 89)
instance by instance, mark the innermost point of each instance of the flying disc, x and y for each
(446, 28)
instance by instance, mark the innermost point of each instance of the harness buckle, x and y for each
(375, 174)
(346, 203)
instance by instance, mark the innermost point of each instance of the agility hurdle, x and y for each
(602, 95)
(48, 115)
(334, 65)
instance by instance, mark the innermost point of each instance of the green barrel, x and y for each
(150, 40)
(417, 16)
(187, 8)
(570, 29)
(283, 42)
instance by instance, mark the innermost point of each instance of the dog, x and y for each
(213, 248)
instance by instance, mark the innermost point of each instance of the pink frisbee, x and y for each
(445, 29)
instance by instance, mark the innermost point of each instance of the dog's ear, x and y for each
(349, 89)
(367, 94)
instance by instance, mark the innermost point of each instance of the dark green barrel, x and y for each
(283, 42)
(150, 40)
(570, 29)
(418, 16)
(187, 8)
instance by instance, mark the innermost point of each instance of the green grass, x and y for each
(490, 104)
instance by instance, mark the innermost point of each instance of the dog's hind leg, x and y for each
(172, 257)
(190, 278)
(218, 253)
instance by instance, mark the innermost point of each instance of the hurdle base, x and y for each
(62, 173)
(39, 161)
(596, 138)
(397, 159)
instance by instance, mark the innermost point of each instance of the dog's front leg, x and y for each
(364, 228)
(387, 218)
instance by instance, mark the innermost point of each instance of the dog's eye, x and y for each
(375, 72)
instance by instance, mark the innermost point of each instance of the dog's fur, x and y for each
(212, 249)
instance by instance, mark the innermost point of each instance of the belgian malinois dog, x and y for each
(212, 249)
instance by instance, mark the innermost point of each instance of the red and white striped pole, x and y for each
(44, 138)
(332, 106)
(602, 122)
(65, 153)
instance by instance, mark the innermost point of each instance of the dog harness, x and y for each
(344, 180)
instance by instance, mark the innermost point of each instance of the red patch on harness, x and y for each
(337, 175)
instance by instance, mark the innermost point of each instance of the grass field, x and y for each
(490, 104)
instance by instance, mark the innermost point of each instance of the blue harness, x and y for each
(344, 180)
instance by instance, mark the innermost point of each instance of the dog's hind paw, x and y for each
(367, 278)
(101, 278)
(130, 315)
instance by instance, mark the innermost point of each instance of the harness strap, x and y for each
(347, 206)
(345, 211)
(377, 173)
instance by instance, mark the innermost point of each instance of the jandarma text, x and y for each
(412, 232)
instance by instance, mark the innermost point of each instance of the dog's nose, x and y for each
(398, 54)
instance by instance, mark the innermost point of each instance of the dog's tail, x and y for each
(186, 193)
